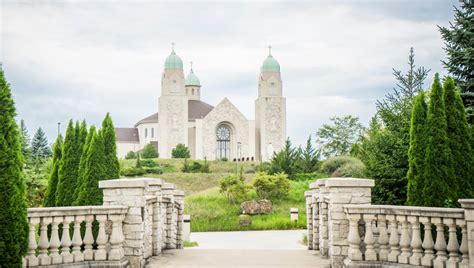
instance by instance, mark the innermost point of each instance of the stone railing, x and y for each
(345, 227)
(138, 219)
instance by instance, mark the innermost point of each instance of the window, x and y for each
(146, 132)
(223, 142)
(152, 132)
(193, 91)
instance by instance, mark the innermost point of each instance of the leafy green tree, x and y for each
(39, 146)
(459, 47)
(307, 158)
(149, 151)
(95, 171)
(459, 137)
(440, 182)
(181, 151)
(416, 152)
(25, 141)
(131, 155)
(108, 135)
(273, 187)
(69, 167)
(13, 216)
(50, 197)
(82, 162)
(337, 138)
(284, 161)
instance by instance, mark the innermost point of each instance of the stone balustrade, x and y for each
(138, 219)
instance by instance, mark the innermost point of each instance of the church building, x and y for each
(212, 132)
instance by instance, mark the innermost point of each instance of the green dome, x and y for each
(173, 62)
(192, 80)
(270, 65)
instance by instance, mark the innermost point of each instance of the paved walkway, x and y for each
(243, 249)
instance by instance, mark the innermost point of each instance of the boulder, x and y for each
(265, 206)
(256, 207)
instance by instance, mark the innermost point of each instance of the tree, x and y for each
(69, 167)
(108, 136)
(307, 158)
(440, 184)
(459, 137)
(284, 161)
(82, 162)
(149, 152)
(95, 170)
(181, 151)
(81, 140)
(50, 197)
(39, 146)
(416, 152)
(337, 139)
(459, 46)
(13, 216)
(25, 141)
(131, 155)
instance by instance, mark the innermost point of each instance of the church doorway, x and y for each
(223, 135)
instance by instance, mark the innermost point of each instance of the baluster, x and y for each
(353, 238)
(369, 240)
(453, 245)
(88, 239)
(393, 241)
(404, 240)
(383, 237)
(31, 259)
(101, 253)
(66, 240)
(440, 244)
(54, 242)
(116, 238)
(464, 248)
(77, 240)
(415, 243)
(43, 257)
(428, 243)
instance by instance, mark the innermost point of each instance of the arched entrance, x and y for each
(223, 140)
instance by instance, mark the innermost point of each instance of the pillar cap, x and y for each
(342, 182)
(125, 183)
(168, 186)
(466, 203)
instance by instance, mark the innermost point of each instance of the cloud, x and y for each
(83, 59)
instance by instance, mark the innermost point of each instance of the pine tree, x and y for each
(82, 162)
(108, 135)
(459, 140)
(308, 158)
(94, 171)
(459, 47)
(69, 168)
(50, 196)
(13, 213)
(39, 146)
(416, 151)
(439, 183)
(284, 160)
(25, 141)
(82, 135)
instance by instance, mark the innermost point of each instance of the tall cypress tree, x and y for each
(50, 196)
(416, 151)
(94, 171)
(13, 213)
(82, 136)
(439, 184)
(82, 162)
(108, 135)
(459, 139)
(69, 168)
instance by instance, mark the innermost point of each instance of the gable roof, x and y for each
(198, 109)
(126, 134)
(149, 119)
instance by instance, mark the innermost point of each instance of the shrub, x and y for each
(195, 167)
(344, 166)
(131, 155)
(205, 167)
(149, 152)
(234, 189)
(133, 171)
(181, 151)
(148, 163)
(271, 186)
(153, 170)
(352, 169)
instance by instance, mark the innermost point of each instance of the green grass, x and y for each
(187, 244)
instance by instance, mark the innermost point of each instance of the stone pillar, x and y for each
(179, 204)
(168, 206)
(468, 205)
(154, 189)
(133, 194)
(309, 217)
(342, 191)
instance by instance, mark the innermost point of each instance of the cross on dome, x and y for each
(269, 50)
(172, 46)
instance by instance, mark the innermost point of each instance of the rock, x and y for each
(245, 220)
(253, 207)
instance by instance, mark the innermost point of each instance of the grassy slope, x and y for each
(210, 211)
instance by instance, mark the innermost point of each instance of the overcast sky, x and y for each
(81, 59)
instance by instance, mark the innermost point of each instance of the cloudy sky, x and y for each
(81, 59)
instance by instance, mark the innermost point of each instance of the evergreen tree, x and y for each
(308, 158)
(440, 183)
(284, 160)
(50, 197)
(94, 171)
(69, 167)
(149, 152)
(181, 151)
(459, 47)
(13, 213)
(82, 136)
(108, 136)
(82, 162)
(39, 146)
(25, 141)
(416, 152)
(459, 140)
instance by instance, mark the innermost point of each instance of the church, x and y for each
(211, 132)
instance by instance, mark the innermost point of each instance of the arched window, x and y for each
(223, 142)
(193, 91)
(146, 132)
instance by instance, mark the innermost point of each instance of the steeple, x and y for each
(173, 61)
(270, 64)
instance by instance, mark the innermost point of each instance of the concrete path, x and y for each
(243, 249)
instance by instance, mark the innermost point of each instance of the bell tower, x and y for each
(270, 110)
(173, 107)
